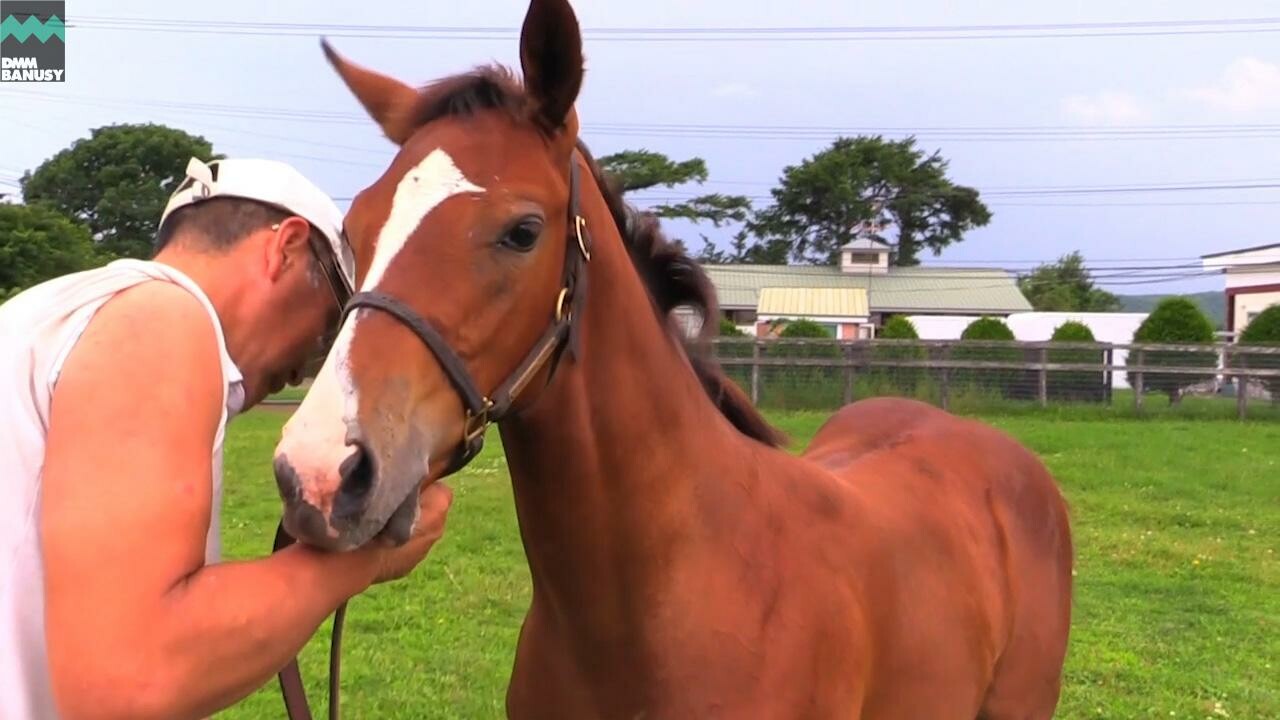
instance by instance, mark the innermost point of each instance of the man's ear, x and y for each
(287, 245)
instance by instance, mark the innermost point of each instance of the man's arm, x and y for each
(136, 626)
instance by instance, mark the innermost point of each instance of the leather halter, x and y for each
(481, 410)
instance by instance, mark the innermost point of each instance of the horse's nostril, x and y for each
(286, 479)
(356, 473)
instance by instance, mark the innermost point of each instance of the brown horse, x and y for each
(909, 564)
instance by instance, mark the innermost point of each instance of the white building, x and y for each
(1252, 279)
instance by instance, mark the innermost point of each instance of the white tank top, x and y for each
(38, 328)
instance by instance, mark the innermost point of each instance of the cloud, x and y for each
(735, 90)
(1247, 85)
(1105, 108)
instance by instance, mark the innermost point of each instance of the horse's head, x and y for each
(463, 247)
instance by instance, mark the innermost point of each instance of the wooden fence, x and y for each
(1034, 371)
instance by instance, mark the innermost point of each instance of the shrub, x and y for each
(1072, 331)
(804, 329)
(1176, 321)
(901, 379)
(1075, 384)
(728, 329)
(735, 345)
(987, 328)
(899, 328)
(1000, 380)
(1264, 330)
(806, 386)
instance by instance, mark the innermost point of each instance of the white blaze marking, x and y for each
(425, 186)
(315, 437)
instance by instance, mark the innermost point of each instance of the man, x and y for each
(116, 385)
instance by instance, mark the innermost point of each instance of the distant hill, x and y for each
(1214, 304)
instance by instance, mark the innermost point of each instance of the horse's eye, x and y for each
(524, 235)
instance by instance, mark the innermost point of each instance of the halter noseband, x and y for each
(483, 410)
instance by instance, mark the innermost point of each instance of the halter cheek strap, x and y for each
(563, 333)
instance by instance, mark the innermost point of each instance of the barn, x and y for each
(854, 298)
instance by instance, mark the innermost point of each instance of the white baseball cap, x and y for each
(274, 183)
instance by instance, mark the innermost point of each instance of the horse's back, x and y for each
(868, 425)
(981, 515)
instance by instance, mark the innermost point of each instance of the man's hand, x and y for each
(433, 508)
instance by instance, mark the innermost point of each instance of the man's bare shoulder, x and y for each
(152, 346)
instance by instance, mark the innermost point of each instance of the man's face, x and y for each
(302, 305)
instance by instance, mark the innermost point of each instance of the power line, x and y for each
(1140, 28)
(259, 111)
(958, 134)
(1223, 203)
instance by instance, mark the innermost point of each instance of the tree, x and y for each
(866, 185)
(117, 182)
(1175, 321)
(37, 243)
(1263, 331)
(634, 170)
(1066, 286)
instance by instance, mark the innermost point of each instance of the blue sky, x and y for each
(1024, 85)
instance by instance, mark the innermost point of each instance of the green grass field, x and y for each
(1177, 527)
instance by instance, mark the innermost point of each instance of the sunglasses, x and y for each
(337, 290)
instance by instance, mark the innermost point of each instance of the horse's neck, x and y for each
(618, 465)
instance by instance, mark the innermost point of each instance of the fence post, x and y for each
(1109, 357)
(1242, 397)
(1137, 382)
(1044, 378)
(848, 373)
(946, 379)
(1239, 362)
(755, 373)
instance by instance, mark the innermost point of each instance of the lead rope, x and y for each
(290, 677)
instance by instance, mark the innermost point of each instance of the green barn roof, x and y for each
(900, 289)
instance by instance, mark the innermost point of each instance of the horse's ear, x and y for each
(551, 58)
(387, 100)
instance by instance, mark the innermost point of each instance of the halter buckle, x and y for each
(476, 423)
(580, 224)
(560, 304)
